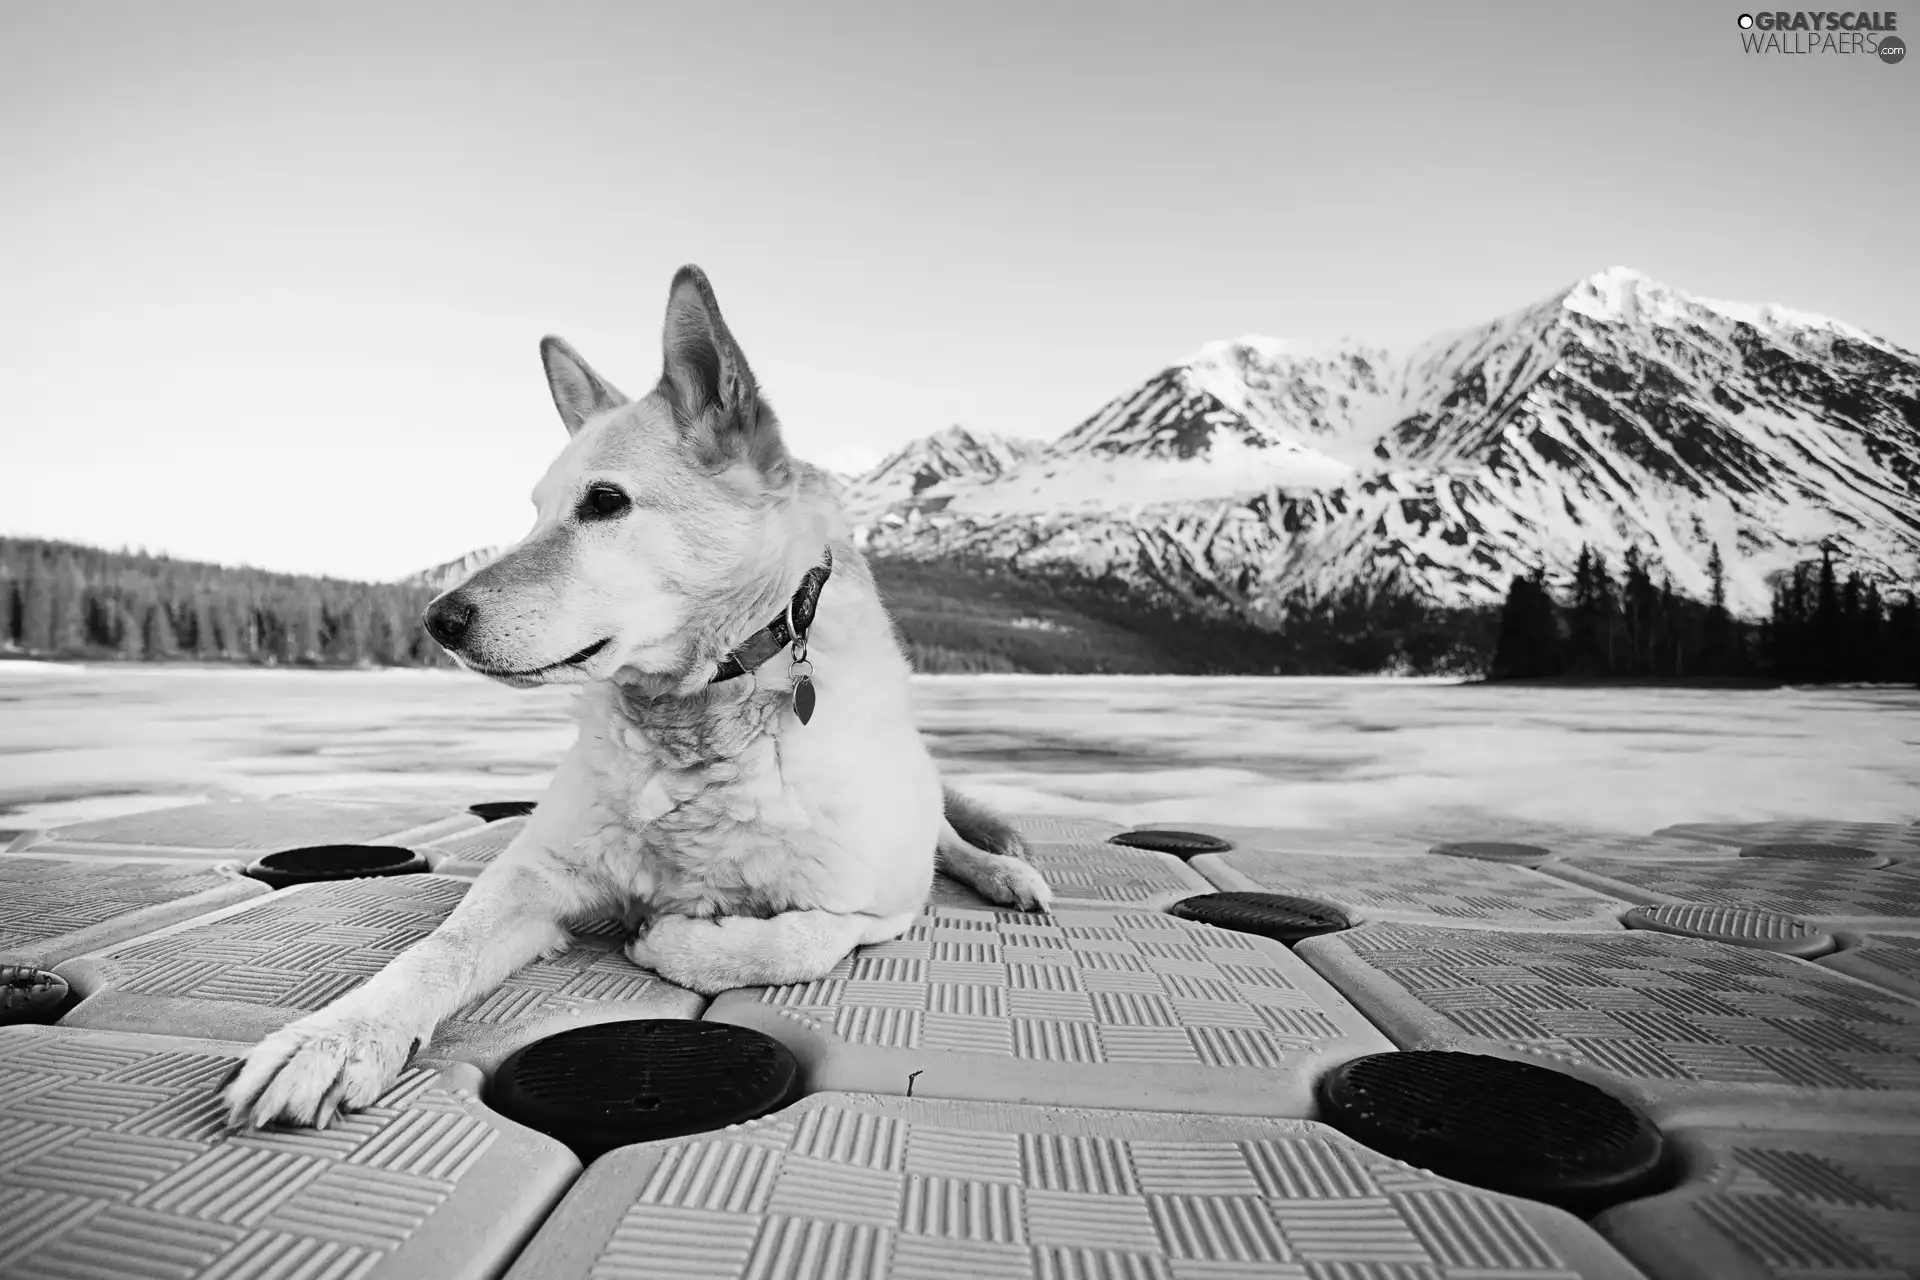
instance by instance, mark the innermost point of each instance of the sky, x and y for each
(275, 276)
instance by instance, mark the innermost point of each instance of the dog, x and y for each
(748, 791)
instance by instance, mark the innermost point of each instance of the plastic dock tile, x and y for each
(1677, 1026)
(248, 828)
(1425, 889)
(1830, 895)
(1889, 838)
(252, 969)
(54, 908)
(1096, 872)
(1077, 1008)
(115, 1161)
(854, 1185)
(1887, 960)
(471, 852)
(1049, 827)
(1768, 1206)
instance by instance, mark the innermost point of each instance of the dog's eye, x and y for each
(603, 502)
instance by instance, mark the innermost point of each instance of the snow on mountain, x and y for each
(953, 454)
(1619, 412)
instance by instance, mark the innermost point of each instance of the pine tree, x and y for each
(1715, 639)
(1827, 638)
(1511, 656)
(1873, 656)
(161, 642)
(1604, 618)
(68, 632)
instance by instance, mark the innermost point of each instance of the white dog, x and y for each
(748, 790)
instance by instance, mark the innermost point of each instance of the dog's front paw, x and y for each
(653, 949)
(693, 953)
(311, 1069)
(1013, 883)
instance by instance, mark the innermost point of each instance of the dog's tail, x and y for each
(980, 848)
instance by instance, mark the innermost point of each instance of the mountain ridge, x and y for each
(1618, 412)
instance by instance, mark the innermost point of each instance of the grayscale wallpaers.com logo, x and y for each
(1828, 32)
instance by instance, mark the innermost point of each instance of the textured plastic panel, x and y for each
(1096, 872)
(1769, 1206)
(115, 1162)
(54, 908)
(1079, 1008)
(471, 852)
(846, 1185)
(1420, 889)
(232, 828)
(1820, 893)
(1049, 827)
(1889, 838)
(1674, 1025)
(250, 970)
(1735, 926)
(1888, 960)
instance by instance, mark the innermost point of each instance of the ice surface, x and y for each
(1416, 760)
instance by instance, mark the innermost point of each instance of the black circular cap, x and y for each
(335, 862)
(1526, 855)
(600, 1087)
(28, 994)
(494, 810)
(1495, 1123)
(1181, 844)
(1813, 851)
(1279, 916)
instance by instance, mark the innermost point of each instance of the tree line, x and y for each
(66, 600)
(1818, 630)
(62, 599)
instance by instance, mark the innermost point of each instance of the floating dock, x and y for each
(1226, 1052)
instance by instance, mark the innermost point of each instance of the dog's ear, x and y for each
(706, 378)
(578, 392)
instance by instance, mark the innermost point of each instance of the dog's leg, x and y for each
(996, 877)
(979, 826)
(711, 956)
(347, 1054)
(980, 848)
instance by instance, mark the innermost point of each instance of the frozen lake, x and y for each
(1422, 758)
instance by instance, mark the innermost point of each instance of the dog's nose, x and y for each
(448, 619)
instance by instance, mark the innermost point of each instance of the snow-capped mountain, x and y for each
(953, 454)
(1619, 412)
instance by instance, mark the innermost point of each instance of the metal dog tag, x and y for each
(802, 683)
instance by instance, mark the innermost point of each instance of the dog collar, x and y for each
(790, 628)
